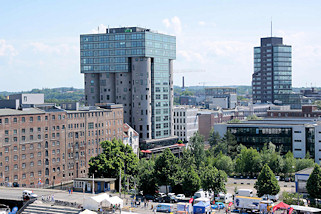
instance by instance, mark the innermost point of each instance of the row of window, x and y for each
(111, 37)
(110, 45)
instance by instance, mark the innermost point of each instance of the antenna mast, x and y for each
(271, 26)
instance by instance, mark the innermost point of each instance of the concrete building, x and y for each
(49, 145)
(305, 112)
(272, 77)
(291, 134)
(132, 66)
(207, 119)
(220, 97)
(185, 122)
(260, 109)
(131, 138)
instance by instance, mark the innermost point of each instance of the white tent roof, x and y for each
(87, 212)
(101, 197)
(115, 200)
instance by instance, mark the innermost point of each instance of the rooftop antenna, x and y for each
(271, 26)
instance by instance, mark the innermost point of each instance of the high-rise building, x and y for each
(132, 66)
(272, 77)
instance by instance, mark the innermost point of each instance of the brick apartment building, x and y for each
(48, 144)
(207, 119)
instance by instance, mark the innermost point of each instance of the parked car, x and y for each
(180, 196)
(158, 199)
(162, 194)
(218, 205)
(165, 208)
(170, 199)
(277, 177)
(287, 179)
(171, 194)
(149, 197)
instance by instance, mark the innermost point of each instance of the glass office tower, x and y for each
(272, 77)
(134, 67)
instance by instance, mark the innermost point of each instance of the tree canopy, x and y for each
(314, 182)
(266, 182)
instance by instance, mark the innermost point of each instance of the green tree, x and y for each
(197, 149)
(165, 168)
(276, 163)
(248, 162)
(231, 143)
(115, 156)
(314, 182)
(214, 138)
(187, 93)
(225, 163)
(266, 182)
(303, 164)
(289, 164)
(213, 179)
(292, 198)
(147, 180)
(187, 159)
(191, 181)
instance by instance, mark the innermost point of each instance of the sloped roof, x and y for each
(306, 171)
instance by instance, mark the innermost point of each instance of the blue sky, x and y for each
(39, 40)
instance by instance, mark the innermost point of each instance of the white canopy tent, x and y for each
(114, 201)
(87, 212)
(96, 202)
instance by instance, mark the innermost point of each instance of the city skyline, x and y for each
(40, 40)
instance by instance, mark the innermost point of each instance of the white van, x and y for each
(244, 192)
(225, 198)
(27, 194)
(202, 194)
(271, 197)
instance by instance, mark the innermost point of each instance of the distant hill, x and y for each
(54, 95)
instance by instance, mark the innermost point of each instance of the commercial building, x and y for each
(45, 144)
(187, 100)
(220, 97)
(291, 134)
(132, 66)
(185, 122)
(307, 111)
(272, 77)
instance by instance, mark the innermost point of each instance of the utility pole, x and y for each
(93, 183)
(120, 182)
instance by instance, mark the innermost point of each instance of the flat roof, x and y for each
(10, 112)
(306, 171)
(96, 179)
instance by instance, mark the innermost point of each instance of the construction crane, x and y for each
(189, 70)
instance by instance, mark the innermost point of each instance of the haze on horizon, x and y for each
(39, 40)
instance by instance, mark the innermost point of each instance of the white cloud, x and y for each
(6, 49)
(201, 23)
(174, 24)
(60, 49)
(102, 29)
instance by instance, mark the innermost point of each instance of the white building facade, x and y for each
(299, 136)
(185, 122)
(131, 137)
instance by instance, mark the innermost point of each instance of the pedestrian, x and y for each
(53, 198)
(69, 190)
(155, 210)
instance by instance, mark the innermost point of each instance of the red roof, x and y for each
(148, 151)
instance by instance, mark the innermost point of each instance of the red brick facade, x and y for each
(53, 146)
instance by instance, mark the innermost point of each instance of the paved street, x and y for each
(76, 197)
